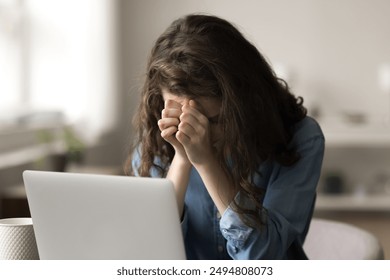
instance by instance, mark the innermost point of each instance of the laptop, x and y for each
(106, 217)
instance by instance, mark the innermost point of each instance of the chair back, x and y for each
(332, 240)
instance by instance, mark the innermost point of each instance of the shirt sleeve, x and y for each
(288, 207)
(136, 163)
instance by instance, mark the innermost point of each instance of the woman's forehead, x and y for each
(209, 104)
(167, 95)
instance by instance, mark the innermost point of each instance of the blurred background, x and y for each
(70, 73)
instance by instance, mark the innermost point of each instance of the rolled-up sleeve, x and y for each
(288, 207)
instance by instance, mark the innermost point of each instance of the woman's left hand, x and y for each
(194, 134)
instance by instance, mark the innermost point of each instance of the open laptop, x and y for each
(89, 216)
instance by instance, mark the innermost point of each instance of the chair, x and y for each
(331, 240)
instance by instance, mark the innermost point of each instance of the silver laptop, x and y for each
(87, 216)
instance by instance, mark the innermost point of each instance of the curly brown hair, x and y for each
(203, 55)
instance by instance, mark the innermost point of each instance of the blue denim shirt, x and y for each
(288, 203)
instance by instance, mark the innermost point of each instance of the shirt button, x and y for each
(220, 248)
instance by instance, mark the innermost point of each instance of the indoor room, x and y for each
(71, 73)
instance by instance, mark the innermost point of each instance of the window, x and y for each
(58, 56)
(10, 55)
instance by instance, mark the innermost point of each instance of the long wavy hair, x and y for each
(203, 55)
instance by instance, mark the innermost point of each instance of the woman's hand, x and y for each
(194, 134)
(179, 171)
(168, 124)
(188, 130)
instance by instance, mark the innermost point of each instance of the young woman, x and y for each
(243, 156)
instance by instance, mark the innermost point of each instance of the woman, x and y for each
(242, 154)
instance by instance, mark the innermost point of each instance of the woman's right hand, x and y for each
(179, 171)
(170, 119)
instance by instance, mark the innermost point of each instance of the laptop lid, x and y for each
(89, 216)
